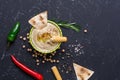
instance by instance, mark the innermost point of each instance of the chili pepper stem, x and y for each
(8, 45)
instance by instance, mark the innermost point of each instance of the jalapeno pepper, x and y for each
(13, 33)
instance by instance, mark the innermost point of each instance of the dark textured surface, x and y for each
(101, 43)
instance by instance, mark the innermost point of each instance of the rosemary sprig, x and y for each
(65, 24)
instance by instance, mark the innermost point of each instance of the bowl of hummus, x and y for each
(41, 40)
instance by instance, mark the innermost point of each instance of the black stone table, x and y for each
(100, 45)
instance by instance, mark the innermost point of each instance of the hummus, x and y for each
(40, 39)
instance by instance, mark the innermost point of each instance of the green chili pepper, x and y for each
(13, 33)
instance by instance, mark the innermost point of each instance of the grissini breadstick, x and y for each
(56, 73)
(59, 39)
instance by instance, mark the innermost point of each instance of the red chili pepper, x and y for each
(26, 69)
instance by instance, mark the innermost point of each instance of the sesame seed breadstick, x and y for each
(56, 73)
(59, 39)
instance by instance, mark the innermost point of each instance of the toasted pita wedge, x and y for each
(39, 21)
(82, 73)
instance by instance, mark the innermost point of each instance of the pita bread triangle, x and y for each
(81, 72)
(39, 21)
